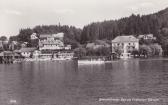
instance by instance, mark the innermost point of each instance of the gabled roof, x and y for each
(28, 49)
(58, 35)
(8, 53)
(45, 35)
(129, 38)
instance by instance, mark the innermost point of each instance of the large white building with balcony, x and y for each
(52, 46)
(126, 44)
(52, 42)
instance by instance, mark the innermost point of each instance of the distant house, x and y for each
(24, 44)
(126, 45)
(147, 37)
(27, 52)
(68, 47)
(33, 36)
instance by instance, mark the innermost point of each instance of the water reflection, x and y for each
(65, 83)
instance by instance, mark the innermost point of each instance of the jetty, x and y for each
(8, 57)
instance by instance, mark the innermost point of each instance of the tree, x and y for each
(3, 38)
(103, 51)
(145, 50)
(156, 49)
(80, 52)
(118, 50)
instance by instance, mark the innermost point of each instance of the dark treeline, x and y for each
(133, 25)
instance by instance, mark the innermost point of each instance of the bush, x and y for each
(80, 52)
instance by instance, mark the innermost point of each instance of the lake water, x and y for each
(133, 82)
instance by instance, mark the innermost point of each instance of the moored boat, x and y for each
(91, 62)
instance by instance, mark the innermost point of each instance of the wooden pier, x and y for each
(8, 57)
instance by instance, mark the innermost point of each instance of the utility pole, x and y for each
(111, 47)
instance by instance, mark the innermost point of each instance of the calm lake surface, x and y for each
(66, 83)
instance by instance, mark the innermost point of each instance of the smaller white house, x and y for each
(126, 44)
(33, 36)
(68, 47)
(27, 52)
(147, 37)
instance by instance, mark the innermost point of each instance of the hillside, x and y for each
(134, 25)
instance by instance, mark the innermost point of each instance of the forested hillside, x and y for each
(156, 24)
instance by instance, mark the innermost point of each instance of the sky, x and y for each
(17, 14)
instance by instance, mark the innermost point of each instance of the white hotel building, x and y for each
(52, 46)
(52, 42)
(126, 44)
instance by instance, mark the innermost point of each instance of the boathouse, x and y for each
(8, 57)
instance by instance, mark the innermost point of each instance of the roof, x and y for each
(129, 38)
(8, 53)
(45, 35)
(141, 36)
(16, 51)
(90, 45)
(28, 49)
(58, 35)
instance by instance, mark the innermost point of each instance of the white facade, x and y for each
(26, 54)
(126, 44)
(68, 47)
(50, 43)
